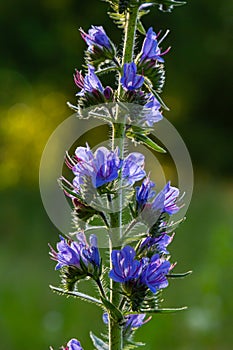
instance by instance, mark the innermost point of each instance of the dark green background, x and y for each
(40, 47)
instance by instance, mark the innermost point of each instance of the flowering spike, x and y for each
(79, 259)
(104, 191)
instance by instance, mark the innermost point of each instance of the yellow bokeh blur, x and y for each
(25, 128)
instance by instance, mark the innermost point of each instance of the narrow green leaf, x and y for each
(77, 295)
(106, 70)
(98, 343)
(138, 137)
(118, 19)
(163, 311)
(68, 190)
(133, 345)
(160, 100)
(131, 239)
(141, 28)
(149, 86)
(179, 275)
(114, 311)
(135, 228)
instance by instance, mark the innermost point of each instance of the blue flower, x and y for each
(67, 255)
(77, 253)
(154, 273)
(153, 114)
(165, 201)
(107, 165)
(132, 168)
(144, 192)
(150, 48)
(89, 84)
(130, 79)
(124, 266)
(102, 166)
(96, 37)
(90, 254)
(73, 344)
(132, 322)
(158, 244)
(136, 275)
(135, 321)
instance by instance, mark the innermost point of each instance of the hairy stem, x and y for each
(130, 32)
(115, 330)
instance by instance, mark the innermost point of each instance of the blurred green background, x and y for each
(40, 47)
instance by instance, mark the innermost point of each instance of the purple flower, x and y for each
(89, 84)
(67, 255)
(158, 244)
(153, 114)
(96, 37)
(135, 321)
(73, 344)
(77, 253)
(132, 322)
(150, 48)
(130, 79)
(90, 254)
(165, 201)
(144, 192)
(125, 267)
(102, 166)
(132, 168)
(136, 275)
(154, 273)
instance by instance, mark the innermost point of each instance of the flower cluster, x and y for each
(134, 273)
(103, 166)
(158, 243)
(91, 87)
(131, 322)
(84, 259)
(151, 206)
(101, 48)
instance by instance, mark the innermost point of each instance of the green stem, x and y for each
(115, 330)
(130, 33)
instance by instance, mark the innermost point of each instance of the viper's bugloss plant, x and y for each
(110, 191)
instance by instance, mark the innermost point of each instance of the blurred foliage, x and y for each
(40, 47)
